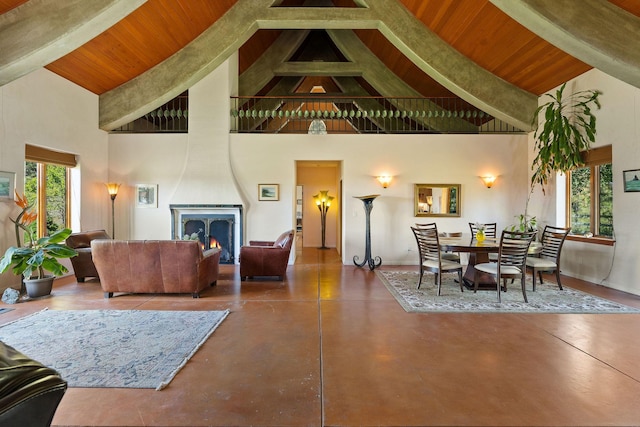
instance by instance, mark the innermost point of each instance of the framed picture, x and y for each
(147, 195)
(631, 180)
(268, 192)
(7, 185)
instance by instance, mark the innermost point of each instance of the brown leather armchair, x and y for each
(83, 263)
(262, 258)
(29, 391)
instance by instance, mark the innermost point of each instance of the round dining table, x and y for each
(478, 253)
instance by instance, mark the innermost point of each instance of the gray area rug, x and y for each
(113, 348)
(547, 298)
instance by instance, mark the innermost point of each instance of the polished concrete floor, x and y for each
(330, 346)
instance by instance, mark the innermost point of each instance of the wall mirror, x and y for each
(437, 199)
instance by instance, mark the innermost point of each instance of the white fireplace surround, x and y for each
(177, 212)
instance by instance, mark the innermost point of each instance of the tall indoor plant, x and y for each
(567, 129)
(36, 256)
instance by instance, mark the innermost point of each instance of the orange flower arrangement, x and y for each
(24, 219)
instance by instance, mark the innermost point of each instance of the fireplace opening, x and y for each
(212, 231)
(214, 226)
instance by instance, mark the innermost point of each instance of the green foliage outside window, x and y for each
(605, 203)
(583, 198)
(55, 194)
(580, 201)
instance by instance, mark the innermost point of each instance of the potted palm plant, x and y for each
(37, 256)
(567, 129)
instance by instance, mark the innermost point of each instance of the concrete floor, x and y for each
(331, 346)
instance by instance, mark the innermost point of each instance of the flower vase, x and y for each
(480, 236)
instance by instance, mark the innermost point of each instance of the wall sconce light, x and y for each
(323, 201)
(112, 188)
(488, 180)
(384, 180)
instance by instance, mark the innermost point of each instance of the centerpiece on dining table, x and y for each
(480, 236)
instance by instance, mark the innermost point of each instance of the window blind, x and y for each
(44, 155)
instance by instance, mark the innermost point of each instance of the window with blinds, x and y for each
(47, 187)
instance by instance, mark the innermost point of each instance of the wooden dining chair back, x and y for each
(489, 229)
(449, 256)
(512, 258)
(431, 257)
(549, 259)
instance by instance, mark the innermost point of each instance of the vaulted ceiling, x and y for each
(498, 55)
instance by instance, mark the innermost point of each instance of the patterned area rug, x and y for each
(547, 298)
(113, 348)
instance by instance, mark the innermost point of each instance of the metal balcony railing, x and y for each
(172, 117)
(382, 115)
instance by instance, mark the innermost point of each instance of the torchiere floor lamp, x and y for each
(368, 259)
(112, 188)
(323, 201)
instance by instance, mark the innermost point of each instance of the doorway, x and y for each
(312, 177)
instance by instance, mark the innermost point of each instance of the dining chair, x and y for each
(549, 258)
(511, 264)
(449, 256)
(431, 257)
(489, 231)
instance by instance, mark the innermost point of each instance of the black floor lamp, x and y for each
(112, 188)
(323, 201)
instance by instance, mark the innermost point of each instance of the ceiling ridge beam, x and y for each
(317, 18)
(453, 70)
(39, 32)
(261, 71)
(579, 29)
(316, 68)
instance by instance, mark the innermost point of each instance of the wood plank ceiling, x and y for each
(476, 28)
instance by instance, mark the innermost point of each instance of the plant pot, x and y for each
(39, 287)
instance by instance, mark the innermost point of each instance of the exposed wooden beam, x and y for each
(182, 70)
(594, 31)
(38, 32)
(453, 70)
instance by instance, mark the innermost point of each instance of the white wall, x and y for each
(209, 165)
(618, 124)
(46, 110)
(412, 159)
(203, 166)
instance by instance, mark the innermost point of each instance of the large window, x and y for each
(47, 188)
(590, 193)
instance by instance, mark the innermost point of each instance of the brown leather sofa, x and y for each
(265, 258)
(154, 266)
(83, 266)
(29, 391)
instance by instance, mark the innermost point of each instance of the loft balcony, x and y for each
(361, 115)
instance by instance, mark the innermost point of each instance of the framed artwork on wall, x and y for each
(146, 195)
(7, 185)
(631, 179)
(268, 192)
